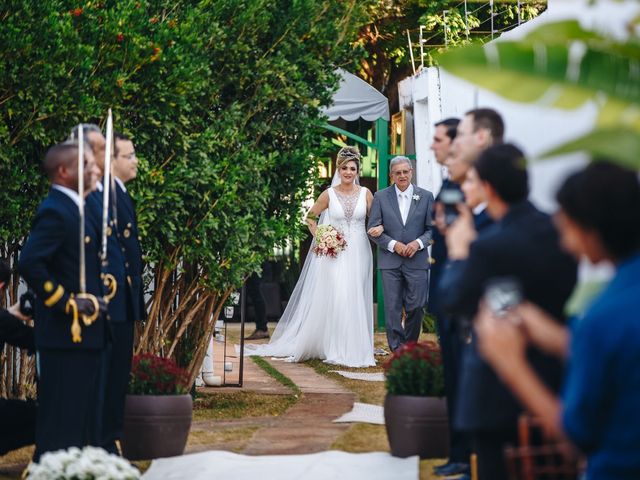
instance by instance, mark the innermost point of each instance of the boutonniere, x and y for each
(416, 197)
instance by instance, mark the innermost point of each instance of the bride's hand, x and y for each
(375, 232)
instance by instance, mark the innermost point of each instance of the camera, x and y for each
(451, 198)
(502, 294)
(27, 303)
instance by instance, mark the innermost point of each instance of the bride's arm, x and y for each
(376, 231)
(322, 203)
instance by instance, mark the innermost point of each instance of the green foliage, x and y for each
(564, 65)
(415, 369)
(385, 38)
(429, 323)
(222, 99)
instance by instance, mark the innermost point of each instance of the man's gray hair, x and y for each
(86, 128)
(399, 159)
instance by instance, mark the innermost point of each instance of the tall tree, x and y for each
(385, 37)
(222, 98)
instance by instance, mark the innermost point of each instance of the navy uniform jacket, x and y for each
(524, 245)
(117, 308)
(129, 237)
(49, 262)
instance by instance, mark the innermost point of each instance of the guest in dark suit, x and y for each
(599, 218)
(127, 262)
(522, 244)
(17, 417)
(479, 129)
(70, 386)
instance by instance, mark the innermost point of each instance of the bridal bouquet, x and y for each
(329, 241)
(90, 463)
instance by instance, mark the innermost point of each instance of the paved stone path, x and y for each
(306, 427)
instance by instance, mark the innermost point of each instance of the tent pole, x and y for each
(382, 142)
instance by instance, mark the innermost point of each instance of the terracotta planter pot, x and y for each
(156, 426)
(417, 426)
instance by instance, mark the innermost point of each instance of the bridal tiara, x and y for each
(349, 153)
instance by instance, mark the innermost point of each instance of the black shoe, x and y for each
(258, 335)
(454, 468)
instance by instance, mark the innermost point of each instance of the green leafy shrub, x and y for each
(222, 99)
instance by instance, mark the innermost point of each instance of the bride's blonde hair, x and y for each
(348, 154)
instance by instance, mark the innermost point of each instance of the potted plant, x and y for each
(415, 409)
(158, 409)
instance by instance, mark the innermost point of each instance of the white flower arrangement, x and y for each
(90, 463)
(416, 197)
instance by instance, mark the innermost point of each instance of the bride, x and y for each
(330, 312)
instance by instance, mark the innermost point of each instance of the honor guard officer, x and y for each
(70, 330)
(125, 169)
(113, 276)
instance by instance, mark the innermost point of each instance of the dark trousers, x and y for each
(70, 399)
(17, 424)
(451, 347)
(117, 381)
(404, 288)
(489, 447)
(259, 305)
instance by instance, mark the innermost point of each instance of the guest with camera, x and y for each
(523, 244)
(599, 218)
(17, 417)
(479, 129)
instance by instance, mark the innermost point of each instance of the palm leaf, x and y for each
(619, 144)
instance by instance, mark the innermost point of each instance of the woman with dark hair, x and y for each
(599, 218)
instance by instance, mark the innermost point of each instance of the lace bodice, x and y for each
(347, 211)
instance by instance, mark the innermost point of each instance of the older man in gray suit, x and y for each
(404, 211)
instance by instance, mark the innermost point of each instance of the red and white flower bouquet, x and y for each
(329, 241)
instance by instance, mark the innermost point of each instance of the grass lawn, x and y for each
(240, 404)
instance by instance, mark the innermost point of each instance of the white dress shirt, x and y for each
(72, 194)
(404, 203)
(121, 183)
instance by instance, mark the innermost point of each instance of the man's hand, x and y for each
(15, 311)
(439, 219)
(542, 330)
(500, 341)
(375, 232)
(102, 304)
(461, 234)
(411, 249)
(399, 248)
(85, 306)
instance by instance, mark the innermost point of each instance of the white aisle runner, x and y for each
(316, 466)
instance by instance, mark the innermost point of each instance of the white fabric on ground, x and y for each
(367, 377)
(315, 466)
(363, 413)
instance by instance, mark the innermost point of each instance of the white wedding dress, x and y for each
(330, 313)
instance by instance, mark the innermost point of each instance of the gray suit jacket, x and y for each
(386, 212)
